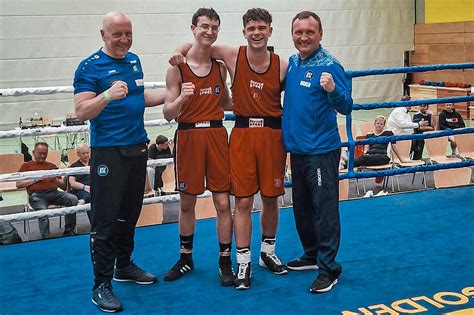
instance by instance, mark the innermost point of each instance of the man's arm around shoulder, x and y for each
(226, 53)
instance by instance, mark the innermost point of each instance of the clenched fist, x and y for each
(187, 90)
(326, 81)
(177, 59)
(118, 90)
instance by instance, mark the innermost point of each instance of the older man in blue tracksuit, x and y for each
(316, 87)
(109, 91)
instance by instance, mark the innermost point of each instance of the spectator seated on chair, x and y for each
(80, 185)
(376, 154)
(423, 115)
(400, 122)
(449, 118)
(43, 192)
(159, 150)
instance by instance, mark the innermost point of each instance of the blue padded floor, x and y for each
(410, 247)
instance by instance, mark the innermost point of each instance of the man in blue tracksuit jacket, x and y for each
(316, 87)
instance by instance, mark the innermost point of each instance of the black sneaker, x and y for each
(135, 274)
(272, 262)
(242, 281)
(105, 299)
(179, 269)
(227, 274)
(69, 233)
(323, 284)
(302, 264)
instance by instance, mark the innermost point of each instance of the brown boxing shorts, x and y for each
(202, 160)
(257, 162)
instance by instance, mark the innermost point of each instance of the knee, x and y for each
(187, 208)
(222, 205)
(72, 200)
(270, 204)
(243, 206)
(37, 203)
(223, 211)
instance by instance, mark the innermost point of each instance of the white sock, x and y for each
(243, 256)
(267, 248)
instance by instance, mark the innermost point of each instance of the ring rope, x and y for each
(13, 177)
(47, 213)
(68, 129)
(43, 131)
(398, 171)
(457, 99)
(384, 139)
(361, 73)
(59, 89)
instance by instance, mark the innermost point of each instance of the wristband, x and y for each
(107, 96)
(84, 187)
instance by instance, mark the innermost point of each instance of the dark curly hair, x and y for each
(210, 13)
(257, 14)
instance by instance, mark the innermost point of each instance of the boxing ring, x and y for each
(404, 253)
(398, 252)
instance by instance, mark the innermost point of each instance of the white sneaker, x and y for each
(369, 194)
(381, 193)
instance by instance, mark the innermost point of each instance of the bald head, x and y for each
(114, 17)
(116, 33)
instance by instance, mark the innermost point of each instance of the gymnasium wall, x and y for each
(444, 35)
(444, 43)
(444, 11)
(41, 42)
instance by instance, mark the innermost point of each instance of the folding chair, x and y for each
(151, 214)
(376, 168)
(452, 177)
(72, 156)
(436, 148)
(403, 148)
(465, 143)
(10, 163)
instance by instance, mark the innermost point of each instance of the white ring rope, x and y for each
(43, 131)
(47, 213)
(68, 129)
(13, 177)
(59, 89)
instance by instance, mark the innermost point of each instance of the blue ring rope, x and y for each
(400, 171)
(361, 73)
(405, 170)
(437, 134)
(457, 99)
